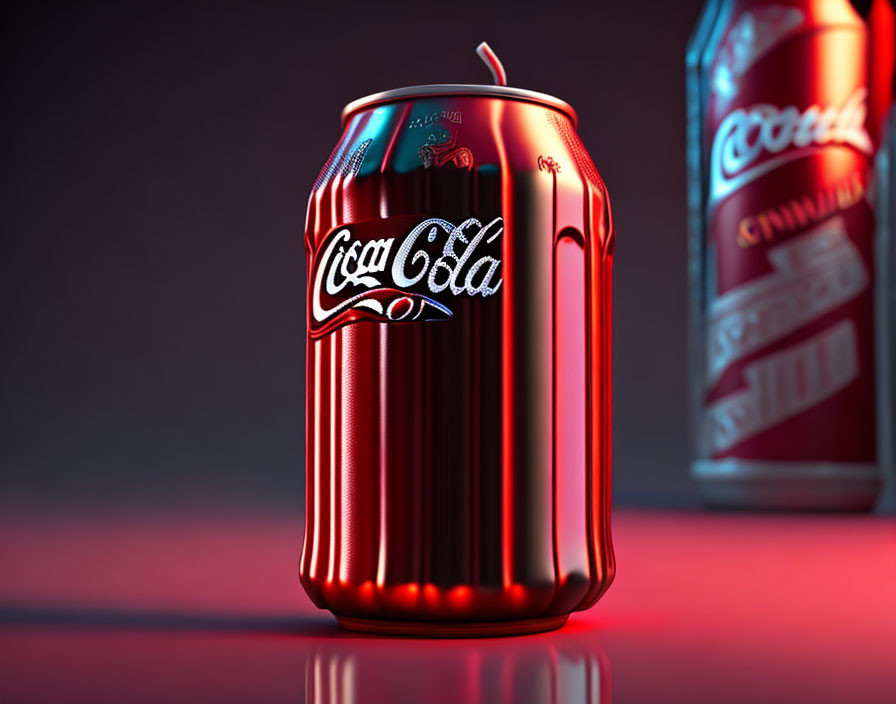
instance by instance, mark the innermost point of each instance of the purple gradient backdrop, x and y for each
(157, 161)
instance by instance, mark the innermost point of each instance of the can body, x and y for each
(786, 111)
(458, 370)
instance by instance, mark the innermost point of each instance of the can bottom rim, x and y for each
(450, 629)
(779, 487)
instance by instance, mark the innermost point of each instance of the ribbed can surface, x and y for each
(459, 254)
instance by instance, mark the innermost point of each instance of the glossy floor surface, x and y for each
(705, 608)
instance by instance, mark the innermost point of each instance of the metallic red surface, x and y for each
(458, 378)
(792, 104)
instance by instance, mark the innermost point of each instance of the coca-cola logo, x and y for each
(359, 274)
(747, 135)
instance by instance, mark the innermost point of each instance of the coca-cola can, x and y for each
(459, 245)
(787, 104)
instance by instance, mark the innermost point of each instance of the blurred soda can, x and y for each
(786, 114)
(459, 244)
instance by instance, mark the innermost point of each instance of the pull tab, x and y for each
(499, 75)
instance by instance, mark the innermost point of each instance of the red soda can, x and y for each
(787, 105)
(459, 246)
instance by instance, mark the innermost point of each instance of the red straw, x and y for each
(493, 62)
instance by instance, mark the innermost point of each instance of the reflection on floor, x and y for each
(706, 608)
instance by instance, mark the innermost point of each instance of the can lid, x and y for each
(499, 90)
(391, 96)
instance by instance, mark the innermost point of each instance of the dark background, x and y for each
(156, 164)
